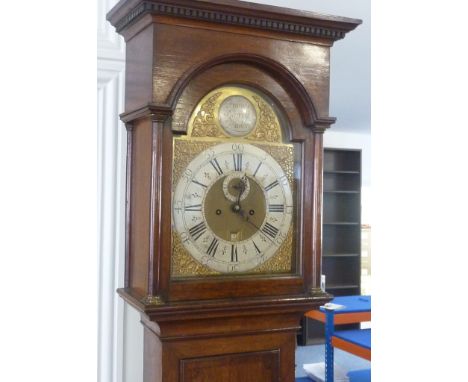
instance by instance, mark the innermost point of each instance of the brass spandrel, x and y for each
(205, 131)
(204, 123)
(268, 127)
(205, 120)
(184, 152)
(282, 261)
(184, 265)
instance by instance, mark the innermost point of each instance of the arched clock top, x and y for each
(300, 96)
(236, 112)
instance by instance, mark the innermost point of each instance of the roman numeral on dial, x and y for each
(194, 208)
(197, 230)
(258, 168)
(256, 248)
(200, 184)
(276, 207)
(216, 166)
(272, 185)
(234, 253)
(270, 230)
(237, 158)
(213, 247)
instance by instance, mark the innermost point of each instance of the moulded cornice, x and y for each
(164, 311)
(322, 124)
(236, 13)
(159, 113)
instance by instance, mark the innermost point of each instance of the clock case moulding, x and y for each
(177, 51)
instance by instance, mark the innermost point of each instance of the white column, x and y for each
(120, 335)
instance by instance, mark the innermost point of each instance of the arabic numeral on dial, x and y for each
(184, 236)
(179, 206)
(281, 237)
(260, 259)
(232, 268)
(188, 175)
(205, 259)
(238, 148)
(283, 180)
(210, 154)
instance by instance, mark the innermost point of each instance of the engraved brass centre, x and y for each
(235, 220)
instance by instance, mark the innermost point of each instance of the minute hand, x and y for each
(247, 219)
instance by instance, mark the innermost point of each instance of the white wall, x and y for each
(120, 334)
(350, 79)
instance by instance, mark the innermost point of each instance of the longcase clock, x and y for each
(226, 105)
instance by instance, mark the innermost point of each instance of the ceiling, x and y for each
(350, 98)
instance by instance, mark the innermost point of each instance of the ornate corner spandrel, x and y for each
(281, 262)
(205, 121)
(268, 128)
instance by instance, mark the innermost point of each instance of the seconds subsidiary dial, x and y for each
(233, 207)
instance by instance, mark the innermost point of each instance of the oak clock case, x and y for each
(234, 194)
(226, 103)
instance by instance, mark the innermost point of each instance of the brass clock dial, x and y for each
(233, 207)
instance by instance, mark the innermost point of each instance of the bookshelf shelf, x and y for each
(341, 242)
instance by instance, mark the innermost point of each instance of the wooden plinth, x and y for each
(236, 349)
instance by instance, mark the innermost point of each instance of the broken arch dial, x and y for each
(232, 208)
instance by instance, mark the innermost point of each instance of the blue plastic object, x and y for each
(360, 337)
(352, 304)
(329, 352)
(359, 375)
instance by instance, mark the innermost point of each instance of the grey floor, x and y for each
(316, 353)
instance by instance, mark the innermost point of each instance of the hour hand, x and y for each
(241, 188)
(236, 187)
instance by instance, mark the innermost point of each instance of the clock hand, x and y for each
(247, 219)
(242, 187)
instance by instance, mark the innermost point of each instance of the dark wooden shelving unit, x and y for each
(341, 241)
